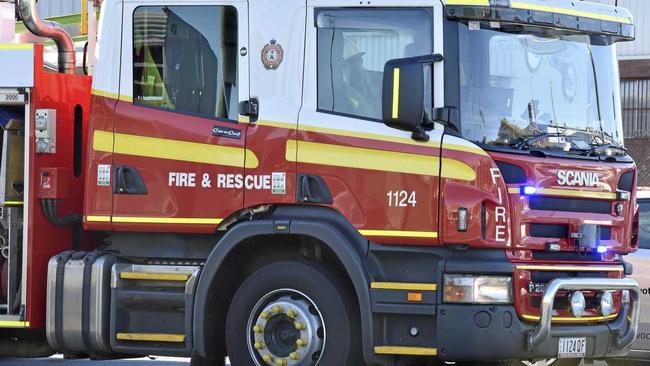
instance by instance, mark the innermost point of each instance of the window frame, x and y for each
(319, 10)
(182, 112)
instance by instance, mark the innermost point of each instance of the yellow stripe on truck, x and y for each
(153, 147)
(400, 234)
(545, 8)
(151, 337)
(396, 93)
(406, 351)
(373, 159)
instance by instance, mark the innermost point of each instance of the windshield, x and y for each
(514, 87)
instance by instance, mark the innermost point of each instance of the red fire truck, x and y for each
(319, 182)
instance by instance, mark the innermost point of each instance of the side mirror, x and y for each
(403, 94)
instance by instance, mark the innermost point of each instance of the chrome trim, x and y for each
(539, 336)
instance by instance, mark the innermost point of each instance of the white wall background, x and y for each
(640, 48)
(53, 8)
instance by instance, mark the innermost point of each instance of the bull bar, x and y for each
(539, 336)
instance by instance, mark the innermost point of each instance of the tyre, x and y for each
(200, 361)
(294, 313)
(549, 362)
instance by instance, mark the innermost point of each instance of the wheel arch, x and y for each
(318, 223)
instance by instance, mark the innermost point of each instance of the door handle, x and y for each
(129, 181)
(313, 189)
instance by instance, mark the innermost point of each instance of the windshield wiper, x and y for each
(527, 142)
(596, 150)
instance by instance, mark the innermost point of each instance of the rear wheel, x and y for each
(284, 313)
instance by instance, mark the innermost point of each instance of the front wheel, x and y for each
(293, 313)
(548, 362)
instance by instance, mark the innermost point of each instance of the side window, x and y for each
(644, 225)
(353, 47)
(185, 59)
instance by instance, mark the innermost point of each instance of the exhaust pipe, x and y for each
(53, 30)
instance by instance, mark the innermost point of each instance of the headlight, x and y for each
(578, 303)
(478, 289)
(606, 303)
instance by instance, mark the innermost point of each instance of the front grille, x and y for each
(570, 205)
(549, 231)
(567, 256)
(561, 231)
(548, 276)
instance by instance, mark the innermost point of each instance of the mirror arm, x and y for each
(420, 135)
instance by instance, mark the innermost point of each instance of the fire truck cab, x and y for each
(320, 182)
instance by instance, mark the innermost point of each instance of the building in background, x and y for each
(55, 8)
(634, 61)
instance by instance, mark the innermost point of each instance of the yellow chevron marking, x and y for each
(373, 159)
(160, 148)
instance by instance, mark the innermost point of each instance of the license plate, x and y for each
(572, 347)
(534, 287)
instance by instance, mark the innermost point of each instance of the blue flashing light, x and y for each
(601, 249)
(528, 190)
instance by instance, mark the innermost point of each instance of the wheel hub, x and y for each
(286, 329)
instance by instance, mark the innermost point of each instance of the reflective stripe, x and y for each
(166, 220)
(582, 319)
(373, 159)
(568, 193)
(396, 93)
(155, 220)
(180, 277)
(16, 46)
(106, 94)
(404, 286)
(400, 234)
(160, 148)
(528, 267)
(408, 351)
(151, 337)
(14, 324)
(98, 219)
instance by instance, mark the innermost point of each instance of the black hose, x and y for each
(49, 207)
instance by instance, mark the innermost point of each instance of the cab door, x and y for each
(383, 181)
(179, 150)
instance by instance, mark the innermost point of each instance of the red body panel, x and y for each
(361, 194)
(61, 92)
(163, 200)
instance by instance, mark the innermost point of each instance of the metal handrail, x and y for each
(540, 335)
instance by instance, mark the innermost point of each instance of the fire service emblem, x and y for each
(272, 55)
